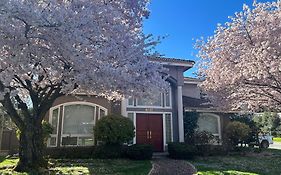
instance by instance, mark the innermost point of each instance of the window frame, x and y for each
(218, 122)
(163, 102)
(79, 135)
(50, 121)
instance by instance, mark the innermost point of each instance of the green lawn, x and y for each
(87, 166)
(277, 139)
(266, 163)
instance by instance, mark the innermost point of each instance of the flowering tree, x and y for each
(50, 48)
(241, 63)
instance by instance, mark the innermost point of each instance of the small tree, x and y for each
(268, 122)
(114, 129)
(237, 132)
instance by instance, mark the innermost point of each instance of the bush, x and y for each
(79, 152)
(204, 138)
(109, 151)
(190, 124)
(237, 132)
(114, 129)
(181, 151)
(139, 152)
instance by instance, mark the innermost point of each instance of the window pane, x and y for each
(131, 116)
(130, 101)
(85, 141)
(208, 123)
(167, 97)
(78, 119)
(54, 123)
(168, 119)
(69, 141)
(150, 102)
(53, 141)
(102, 113)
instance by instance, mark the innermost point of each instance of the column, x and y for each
(123, 107)
(180, 114)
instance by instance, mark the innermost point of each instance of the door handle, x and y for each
(150, 135)
(147, 134)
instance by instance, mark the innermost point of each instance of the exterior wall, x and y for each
(191, 90)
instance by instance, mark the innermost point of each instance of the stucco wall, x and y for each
(191, 90)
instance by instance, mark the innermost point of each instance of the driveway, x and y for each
(275, 145)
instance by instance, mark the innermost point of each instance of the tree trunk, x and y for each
(31, 148)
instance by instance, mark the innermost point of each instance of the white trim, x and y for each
(95, 117)
(180, 114)
(123, 107)
(189, 65)
(163, 124)
(219, 123)
(163, 101)
(50, 121)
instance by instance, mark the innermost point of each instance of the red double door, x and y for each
(149, 130)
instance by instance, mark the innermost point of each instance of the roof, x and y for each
(173, 61)
(195, 103)
(191, 80)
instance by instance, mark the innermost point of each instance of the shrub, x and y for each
(237, 132)
(204, 138)
(181, 151)
(114, 129)
(190, 124)
(79, 152)
(109, 151)
(139, 152)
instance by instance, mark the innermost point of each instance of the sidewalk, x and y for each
(162, 165)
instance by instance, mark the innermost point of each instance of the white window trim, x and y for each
(62, 121)
(50, 121)
(163, 102)
(219, 123)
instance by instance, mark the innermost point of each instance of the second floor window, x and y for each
(161, 100)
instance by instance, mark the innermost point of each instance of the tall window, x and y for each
(54, 120)
(168, 125)
(211, 123)
(77, 122)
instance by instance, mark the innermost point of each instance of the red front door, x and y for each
(149, 130)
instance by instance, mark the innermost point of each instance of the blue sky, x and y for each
(185, 20)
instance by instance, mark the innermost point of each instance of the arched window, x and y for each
(209, 122)
(77, 122)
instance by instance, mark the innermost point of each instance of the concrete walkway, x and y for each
(162, 165)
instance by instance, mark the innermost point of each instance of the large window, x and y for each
(77, 122)
(160, 100)
(209, 122)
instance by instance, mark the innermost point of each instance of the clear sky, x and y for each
(184, 21)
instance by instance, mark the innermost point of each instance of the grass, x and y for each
(277, 139)
(265, 163)
(85, 167)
